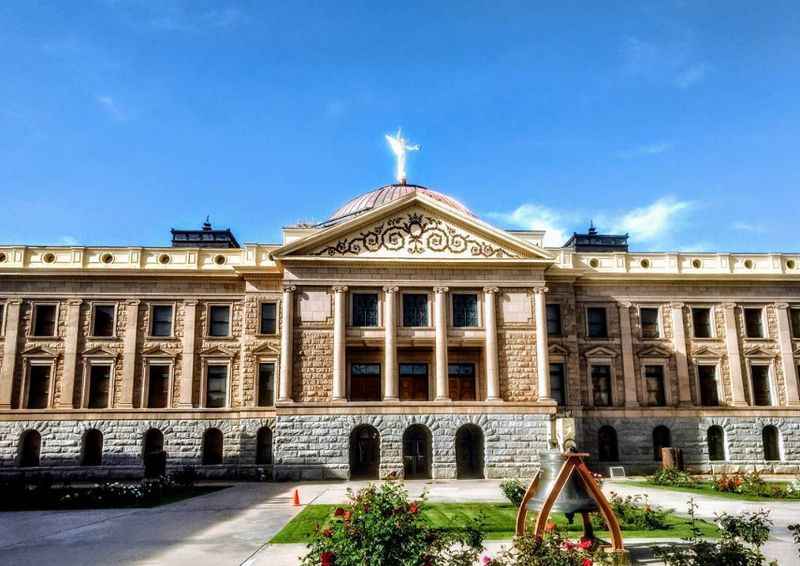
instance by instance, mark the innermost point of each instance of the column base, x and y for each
(184, 406)
(120, 406)
(442, 399)
(339, 400)
(286, 400)
(391, 398)
(494, 399)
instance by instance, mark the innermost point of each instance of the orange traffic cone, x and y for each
(296, 498)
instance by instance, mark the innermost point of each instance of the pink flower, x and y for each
(568, 545)
(585, 544)
(587, 562)
(486, 561)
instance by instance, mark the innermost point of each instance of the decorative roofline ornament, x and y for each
(399, 146)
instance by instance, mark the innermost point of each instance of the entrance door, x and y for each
(364, 453)
(469, 452)
(417, 452)
(413, 382)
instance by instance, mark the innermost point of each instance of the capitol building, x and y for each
(404, 336)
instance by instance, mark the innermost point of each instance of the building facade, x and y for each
(403, 337)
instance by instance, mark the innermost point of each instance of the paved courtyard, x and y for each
(232, 526)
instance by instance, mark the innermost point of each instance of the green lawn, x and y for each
(706, 488)
(499, 520)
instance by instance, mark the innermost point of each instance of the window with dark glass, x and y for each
(557, 384)
(415, 309)
(2, 321)
(219, 320)
(701, 322)
(264, 446)
(365, 382)
(103, 320)
(770, 439)
(707, 378)
(413, 382)
(365, 309)
(158, 386)
(715, 439)
(44, 320)
(607, 447)
(759, 376)
(161, 325)
(654, 380)
(216, 385)
(268, 321)
(754, 322)
(649, 318)
(212, 447)
(662, 438)
(554, 319)
(92, 448)
(601, 385)
(38, 386)
(795, 318)
(461, 381)
(465, 310)
(266, 384)
(597, 324)
(99, 379)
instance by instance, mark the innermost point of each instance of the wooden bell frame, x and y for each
(573, 464)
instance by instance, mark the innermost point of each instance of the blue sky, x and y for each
(675, 121)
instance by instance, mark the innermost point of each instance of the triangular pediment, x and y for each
(600, 352)
(418, 228)
(267, 349)
(99, 352)
(759, 352)
(558, 350)
(654, 352)
(706, 352)
(218, 351)
(158, 352)
(40, 352)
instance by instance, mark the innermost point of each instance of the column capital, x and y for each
(782, 306)
(339, 288)
(14, 301)
(74, 302)
(438, 290)
(190, 302)
(389, 289)
(625, 304)
(730, 306)
(289, 288)
(133, 302)
(491, 290)
(677, 305)
(539, 290)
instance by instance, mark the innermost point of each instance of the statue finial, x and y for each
(399, 147)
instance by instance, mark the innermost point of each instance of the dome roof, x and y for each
(368, 201)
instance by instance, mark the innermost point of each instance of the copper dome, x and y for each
(368, 201)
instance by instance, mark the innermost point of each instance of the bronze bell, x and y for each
(573, 498)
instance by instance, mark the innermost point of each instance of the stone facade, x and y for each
(412, 244)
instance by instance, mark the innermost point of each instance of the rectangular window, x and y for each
(597, 324)
(601, 385)
(554, 319)
(266, 385)
(465, 310)
(161, 325)
(413, 382)
(365, 382)
(99, 380)
(219, 320)
(158, 386)
(794, 315)
(269, 323)
(754, 322)
(707, 378)
(649, 319)
(365, 309)
(759, 376)
(654, 380)
(701, 322)
(2, 321)
(461, 381)
(558, 384)
(44, 320)
(415, 309)
(38, 387)
(103, 320)
(216, 385)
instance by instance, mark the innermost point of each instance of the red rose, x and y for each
(339, 512)
(326, 558)
(585, 544)
(587, 562)
(413, 508)
(347, 515)
(568, 545)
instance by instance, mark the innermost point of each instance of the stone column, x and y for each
(391, 386)
(129, 353)
(738, 398)
(787, 354)
(287, 339)
(542, 351)
(681, 355)
(11, 340)
(440, 326)
(70, 353)
(187, 356)
(628, 369)
(339, 343)
(490, 325)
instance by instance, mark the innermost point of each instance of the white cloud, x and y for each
(653, 222)
(111, 107)
(68, 241)
(645, 150)
(536, 217)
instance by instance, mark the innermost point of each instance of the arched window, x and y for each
(264, 446)
(716, 443)
(772, 443)
(153, 455)
(417, 452)
(92, 448)
(30, 443)
(607, 444)
(212, 447)
(469, 452)
(365, 452)
(662, 438)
